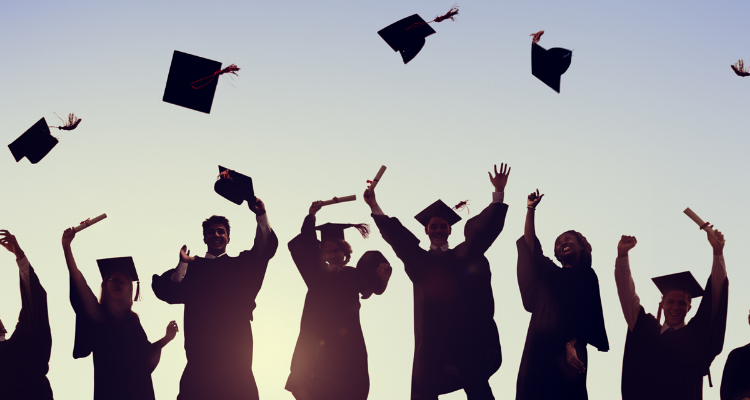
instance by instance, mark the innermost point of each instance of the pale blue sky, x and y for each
(650, 120)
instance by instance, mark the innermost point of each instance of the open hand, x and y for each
(384, 271)
(172, 330)
(68, 236)
(716, 241)
(534, 199)
(501, 178)
(258, 207)
(11, 244)
(315, 207)
(185, 255)
(573, 360)
(626, 243)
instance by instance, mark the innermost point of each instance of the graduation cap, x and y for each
(407, 36)
(683, 281)
(125, 265)
(234, 186)
(191, 82)
(330, 230)
(34, 144)
(437, 209)
(549, 65)
(369, 264)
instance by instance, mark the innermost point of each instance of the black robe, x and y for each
(219, 297)
(24, 357)
(672, 365)
(735, 383)
(123, 357)
(564, 304)
(330, 359)
(456, 342)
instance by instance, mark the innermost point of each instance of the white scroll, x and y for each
(377, 177)
(340, 200)
(703, 225)
(91, 221)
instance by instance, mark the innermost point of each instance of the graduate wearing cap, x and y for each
(219, 293)
(735, 382)
(24, 356)
(330, 358)
(669, 360)
(457, 345)
(123, 357)
(566, 313)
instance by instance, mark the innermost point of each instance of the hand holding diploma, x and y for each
(379, 175)
(88, 222)
(336, 200)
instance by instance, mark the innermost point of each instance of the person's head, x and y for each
(117, 291)
(216, 234)
(336, 252)
(438, 229)
(573, 250)
(675, 304)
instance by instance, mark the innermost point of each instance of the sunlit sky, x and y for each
(650, 120)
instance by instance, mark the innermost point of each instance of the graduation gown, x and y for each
(735, 383)
(219, 297)
(456, 342)
(123, 357)
(330, 358)
(672, 365)
(24, 357)
(564, 304)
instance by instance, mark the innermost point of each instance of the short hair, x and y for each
(344, 246)
(585, 260)
(216, 219)
(690, 298)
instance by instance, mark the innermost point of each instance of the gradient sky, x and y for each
(650, 120)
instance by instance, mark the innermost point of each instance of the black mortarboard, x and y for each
(370, 261)
(336, 231)
(439, 209)
(234, 186)
(549, 65)
(125, 265)
(407, 36)
(683, 281)
(34, 144)
(185, 75)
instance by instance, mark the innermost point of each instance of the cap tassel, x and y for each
(224, 175)
(138, 291)
(363, 229)
(72, 123)
(232, 69)
(440, 18)
(461, 205)
(740, 70)
(536, 37)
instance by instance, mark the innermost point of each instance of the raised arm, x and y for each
(629, 301)
(10, 243)
(266, 241)
(305, 248)
(83, 293)
(718, 270)
(529, 232)
(402, 241)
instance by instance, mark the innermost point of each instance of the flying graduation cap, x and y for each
(549, 65)
(437, 209)
(38, 141)
(125, 265)
(330, 230)
(234, 186)
(407, 36)
(740, 69)
(191, 82)
(683, 281)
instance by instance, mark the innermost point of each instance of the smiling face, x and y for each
(216, 238)
(438, 230)
(333, 255)
(675, 305)
(568, 249)
(118, 287)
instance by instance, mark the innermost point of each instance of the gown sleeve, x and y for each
(590, 326)
(481, 230)
(305, 249)
(85, 335)
(402, 241)
(168, 290)
(710, 331)
(532, 270)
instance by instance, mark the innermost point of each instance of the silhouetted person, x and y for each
(735, 383)
(457, 345)
(24, 357)
(123, 357)
(219, 292)
(330, 359)
(566, 314)
(669, 361)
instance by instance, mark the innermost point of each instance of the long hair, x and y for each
(585, 260)
(103, 299)
(343, 245)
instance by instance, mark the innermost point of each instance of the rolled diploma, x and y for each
(698, 221)
(340, 200)
(377, 177)
(92, 221)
